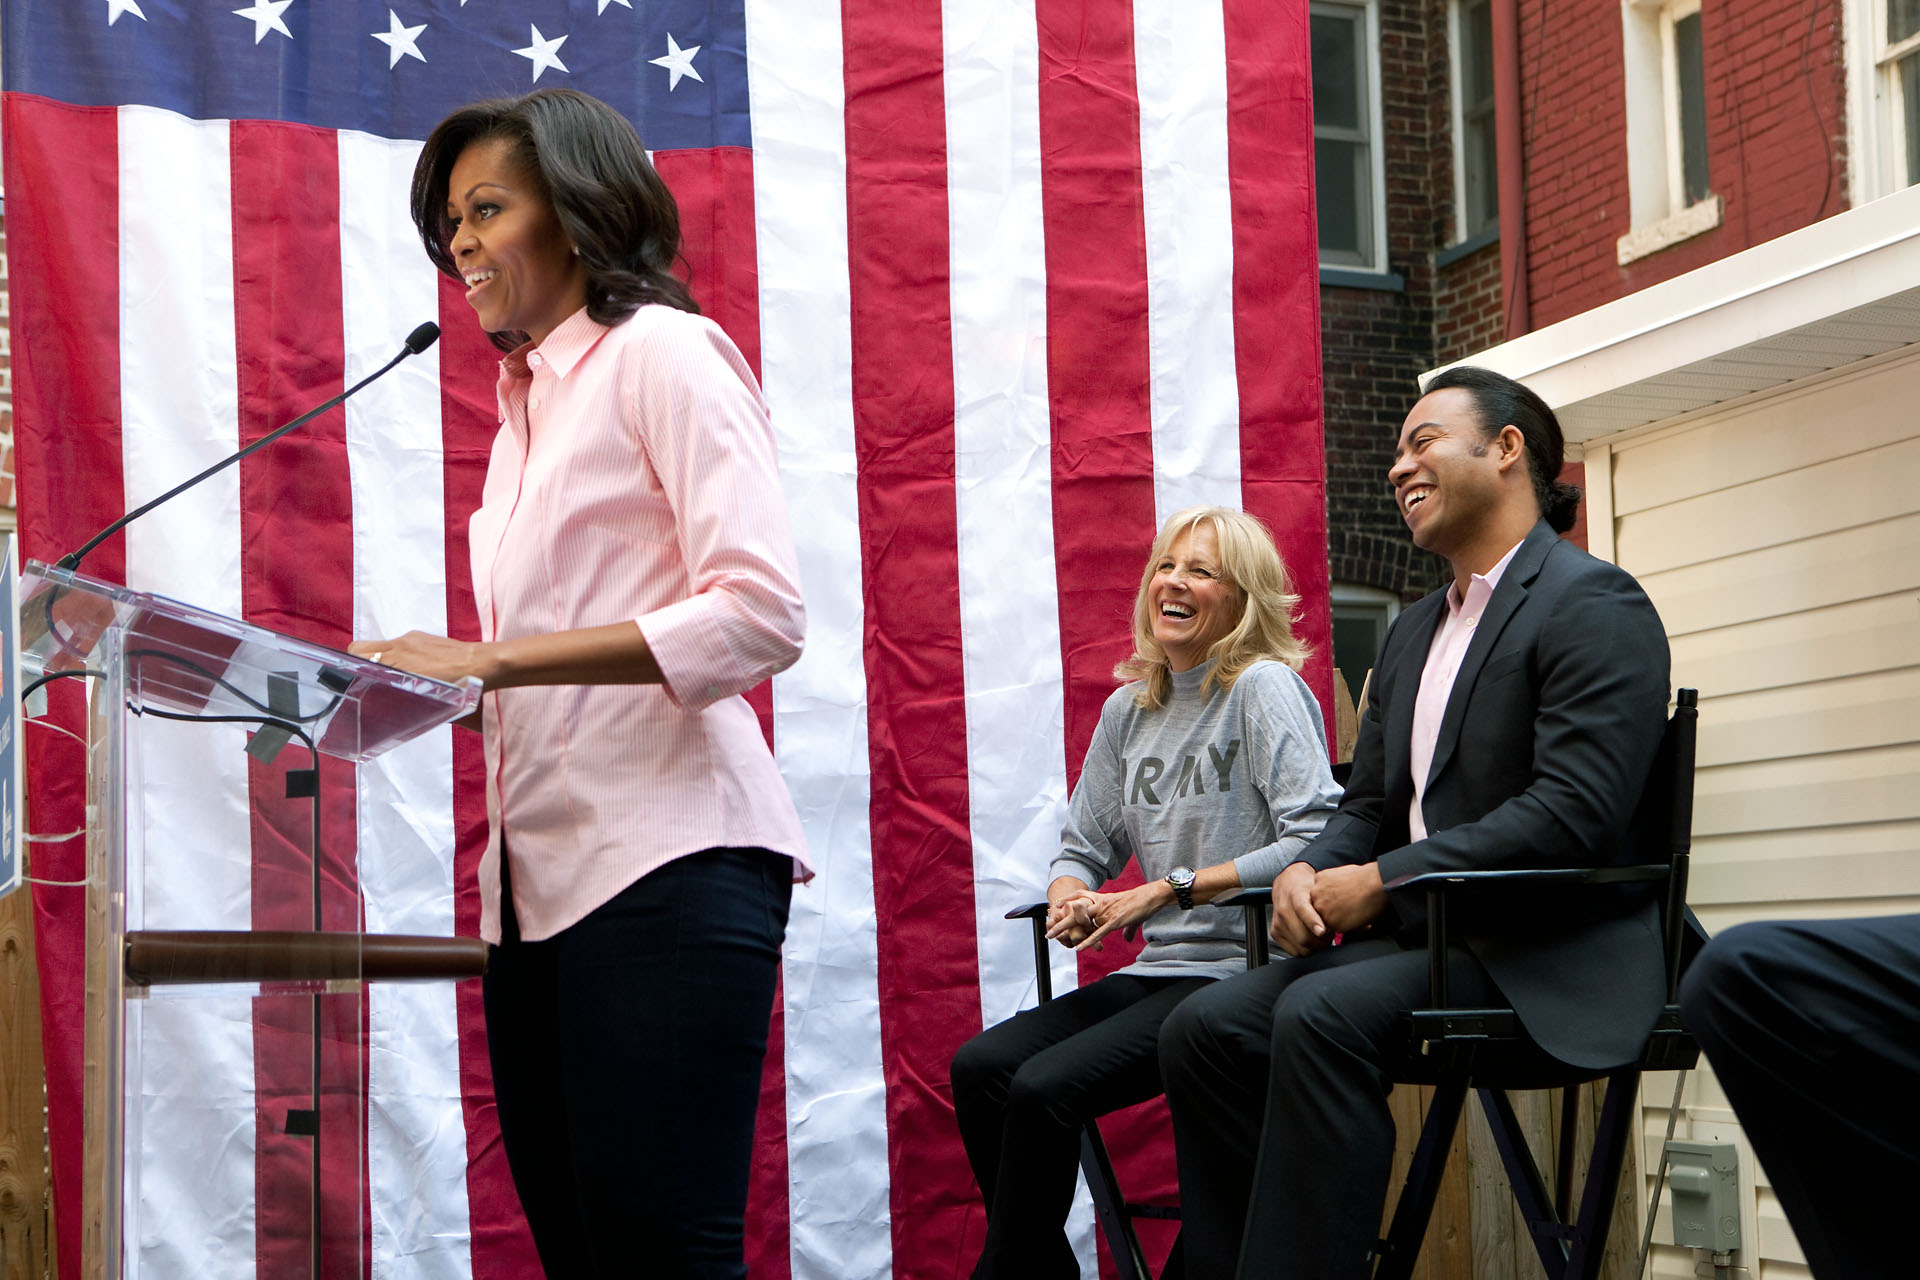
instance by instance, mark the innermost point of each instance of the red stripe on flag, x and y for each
(720, 254)
(469, 418)
(769, 1228)
(296, 539)
(1098, 377)
(1276, 302)
(714, 189)
(1097, 360)
(904, 441)
(62, 175)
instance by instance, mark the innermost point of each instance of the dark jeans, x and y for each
(1810, 1029)
(1278, 1082)
(1021, 1092)
(626, 1056)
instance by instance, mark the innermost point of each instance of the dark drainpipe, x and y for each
(1512, 160)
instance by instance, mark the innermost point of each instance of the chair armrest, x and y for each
(1438, 883)
(1255, 903)
(1442, 880)
(1042, 974)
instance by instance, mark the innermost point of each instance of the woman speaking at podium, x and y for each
(634, 573)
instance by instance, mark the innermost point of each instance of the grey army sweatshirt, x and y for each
(1238, 776)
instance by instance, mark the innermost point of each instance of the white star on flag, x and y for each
(679, 62)
(401, 42)
(117, 7)
(266, 17)
(543, 53)
(603, 4)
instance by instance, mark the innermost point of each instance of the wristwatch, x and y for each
(1181, 878)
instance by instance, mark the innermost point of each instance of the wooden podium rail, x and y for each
(157, 957)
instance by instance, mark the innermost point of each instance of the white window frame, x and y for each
(1457, 68)
(1671, 13)
(1876, 119)
(1371, 128)
(1351, 595)
(1656, 165)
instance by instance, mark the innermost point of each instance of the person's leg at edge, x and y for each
(665, 996)
(1808, 1026)
(1214, 1051)
(518, 993)
(1326, 1149)
(1024, 1088)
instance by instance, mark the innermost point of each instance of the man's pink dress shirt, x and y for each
(634, 477)
(1436, 678)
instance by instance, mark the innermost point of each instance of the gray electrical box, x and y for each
(1705, 1179)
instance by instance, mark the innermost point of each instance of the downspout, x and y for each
(1511, 156)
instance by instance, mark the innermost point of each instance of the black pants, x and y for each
(1023, 1089)
(1278, 1082)
(1813, 1030)
(626, 1056)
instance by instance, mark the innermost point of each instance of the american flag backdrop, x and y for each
(1020, 278)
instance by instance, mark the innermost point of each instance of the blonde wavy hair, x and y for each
(1251, 564)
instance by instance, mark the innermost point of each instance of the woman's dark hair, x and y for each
(1502, 402)
(592, 169)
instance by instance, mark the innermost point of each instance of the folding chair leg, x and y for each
(1523, 1175)
(1401, 1249)
(1110, 1208)
(1610, 1138)
(1569, 1127)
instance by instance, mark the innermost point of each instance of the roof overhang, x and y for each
(1839, 291)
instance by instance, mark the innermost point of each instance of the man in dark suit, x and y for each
(1513, 718)
(1809, 1026)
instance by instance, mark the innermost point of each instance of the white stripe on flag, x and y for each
(416, 1159)
(191, 1152)
(1003, 472)
(836, 1089)
(1009, 610)
(1180, 56)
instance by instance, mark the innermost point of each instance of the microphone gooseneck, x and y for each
(419, 340)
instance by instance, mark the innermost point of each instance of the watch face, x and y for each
(1180, 876)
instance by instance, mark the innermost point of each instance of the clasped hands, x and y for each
(1082, 918)
(1310, 907)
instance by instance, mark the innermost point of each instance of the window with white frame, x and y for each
(1361, 616)
(1883, 65)
(1683, 71)
(1348, 177)
(1899, 66)
(1476, 169)
(1669, 187)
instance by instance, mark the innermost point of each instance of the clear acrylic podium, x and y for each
(290, 997)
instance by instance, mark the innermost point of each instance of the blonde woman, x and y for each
(1208, 768)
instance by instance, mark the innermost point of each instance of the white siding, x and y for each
(1780, 540)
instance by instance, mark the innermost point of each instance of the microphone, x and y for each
(419, 340)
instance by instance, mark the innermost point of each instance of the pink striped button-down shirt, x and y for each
(1436, 678)
(634, 476)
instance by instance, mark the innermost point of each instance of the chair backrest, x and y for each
(1662, 829)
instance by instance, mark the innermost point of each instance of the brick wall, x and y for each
(1468, 315)
(1776, 141)
(1376, 342)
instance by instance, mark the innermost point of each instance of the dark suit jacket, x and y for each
(1547, 738)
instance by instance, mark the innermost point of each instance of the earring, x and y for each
(576, 250)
